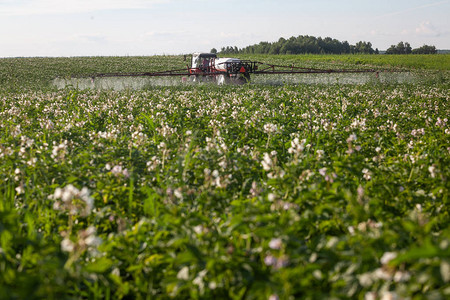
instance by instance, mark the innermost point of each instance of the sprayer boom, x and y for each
(208, 67)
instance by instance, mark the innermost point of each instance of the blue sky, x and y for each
(147, 27)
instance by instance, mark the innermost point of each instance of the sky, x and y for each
(30, 28)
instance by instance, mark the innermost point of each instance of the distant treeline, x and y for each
(305, 44)
(405, 48)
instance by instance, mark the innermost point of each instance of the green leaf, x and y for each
(100, 265)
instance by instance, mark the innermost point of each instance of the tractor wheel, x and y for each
(243, 79)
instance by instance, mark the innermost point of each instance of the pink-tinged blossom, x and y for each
(418, 132)
(120, 171)
(323, 171)
(275, 244)
(441, 122)
(351, 138)
(270, 260)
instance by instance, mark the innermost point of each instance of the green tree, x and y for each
(408, 48)
(425, 49)
(401, 48)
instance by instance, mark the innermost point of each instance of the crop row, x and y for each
(231, 192)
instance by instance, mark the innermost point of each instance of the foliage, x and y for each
(401, 48)
(249, 192)
(405, 48)
(303, 45)
(425, 49)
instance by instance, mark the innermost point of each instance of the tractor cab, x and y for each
(202, 61)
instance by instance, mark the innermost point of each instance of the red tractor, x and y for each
(208, 67)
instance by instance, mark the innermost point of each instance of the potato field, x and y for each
(258, 191)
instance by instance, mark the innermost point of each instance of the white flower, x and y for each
(382, 274)
(320, 153)
(20, 189)
(115, 272)
(212, 285)
(198, 229)
(367, 174)
(270, 128)
(275, 244)
(400, 276)
(296, 146)
(267, 162)
(58, 193)
(67, 194)
(177, 193)
(317, 274)
(67, 245)
(183, 274)
(370, 296)
(365, 279)
(432, 170)
(387, 257)
(274, 297)
(93, 241)
(389, 296)
(351, 230)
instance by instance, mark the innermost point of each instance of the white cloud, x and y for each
(427, 29)
(41, 7)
